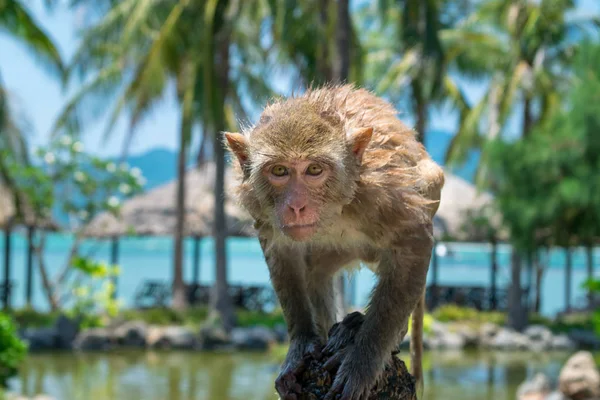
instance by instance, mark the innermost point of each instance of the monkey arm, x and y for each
(402, 276)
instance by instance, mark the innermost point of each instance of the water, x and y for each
(205, 376)
(151, 258)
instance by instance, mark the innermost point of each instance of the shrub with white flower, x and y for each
(80, 186)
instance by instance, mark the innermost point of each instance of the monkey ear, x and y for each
(359, 140)
(238, 145)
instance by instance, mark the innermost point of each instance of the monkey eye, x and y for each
(279, 170)
(314, 170)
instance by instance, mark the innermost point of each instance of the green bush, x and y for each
(29, 318)
(12, 349)
(451, 313)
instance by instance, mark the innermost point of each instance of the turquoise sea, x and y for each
(151, 258)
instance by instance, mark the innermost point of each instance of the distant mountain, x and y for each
(159, 166)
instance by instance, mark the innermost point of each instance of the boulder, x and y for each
(441, 337)
(562, 342)
(469, 335)
(172, 337)
(579, 378)
(585, 339)
(556, 395)
(535, 389)
(487, 333)
(95, 339)
(540, 337)
(39, 339)
(131, 334)
(253, 338)
(66, 330)
(214, 337)
(508, 339)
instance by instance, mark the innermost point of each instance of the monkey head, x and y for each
(300, 166)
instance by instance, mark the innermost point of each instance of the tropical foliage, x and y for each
(12, 349)
(81, 186)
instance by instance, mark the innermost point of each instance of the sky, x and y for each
(39, 97)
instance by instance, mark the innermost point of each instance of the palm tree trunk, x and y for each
(516, 315)
(539, 276)
(179, 297)
(324, 67)
(568, 278)
(220, 300)
(589, 255)
(420, 110)
(342, 67)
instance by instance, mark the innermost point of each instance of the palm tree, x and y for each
(17, 21)
(159, 42)
(529, 75)
(420, 67)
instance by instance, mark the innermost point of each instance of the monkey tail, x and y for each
(416, 346)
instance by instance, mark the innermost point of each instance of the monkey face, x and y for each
(296, 187)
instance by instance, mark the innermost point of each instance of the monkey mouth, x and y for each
(300, 231)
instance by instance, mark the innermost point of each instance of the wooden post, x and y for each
(29, 267)
(494, 276)
(434, 277)
(196, 271)
(7, 257)
(114, 260)
(568, 273)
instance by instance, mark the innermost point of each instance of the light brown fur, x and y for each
(377, 209)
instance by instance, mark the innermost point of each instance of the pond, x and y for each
(246, 376)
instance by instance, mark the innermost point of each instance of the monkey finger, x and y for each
(336, 388)
(334, 362)
(353, 320)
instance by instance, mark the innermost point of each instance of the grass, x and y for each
(192, 317)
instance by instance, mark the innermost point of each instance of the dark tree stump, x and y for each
(315, 381)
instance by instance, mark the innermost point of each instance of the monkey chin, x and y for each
(300, 233)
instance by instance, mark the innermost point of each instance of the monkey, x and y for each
(332, 178)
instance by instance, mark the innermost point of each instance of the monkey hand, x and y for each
(358, 368)
(286, 384)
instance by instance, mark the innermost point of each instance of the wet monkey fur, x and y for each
(333, 179)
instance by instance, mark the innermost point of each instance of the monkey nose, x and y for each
(297, 209)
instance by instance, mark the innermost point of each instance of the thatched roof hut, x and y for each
(459, 199)
(153, 213)
(9, 217)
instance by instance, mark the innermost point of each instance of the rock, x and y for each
(585, 339)
(95, 339)
(441, 337)
(314, 380)
(66, 330)
(556, 395)
(535, 389)
(449, 341)
(579, 378)
(172, 337)
(254, 338)
(508, 339)
(540, 337)
(469, 335)
(131, 334)
(281, 333)
(213, 337)
(562, 342)
(487, 333)
(40, 338)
